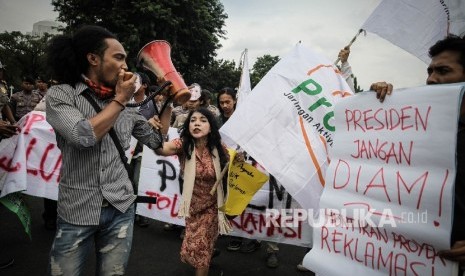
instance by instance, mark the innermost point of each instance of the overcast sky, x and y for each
(274, 27)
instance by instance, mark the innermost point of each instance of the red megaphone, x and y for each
(155, 56)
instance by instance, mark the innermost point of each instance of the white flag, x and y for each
(286, 124)
(244, 85)
(415, 25)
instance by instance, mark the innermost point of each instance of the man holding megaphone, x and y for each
(89, 115)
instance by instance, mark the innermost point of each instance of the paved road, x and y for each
(154, 251)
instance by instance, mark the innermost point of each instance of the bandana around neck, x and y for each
(101, 91)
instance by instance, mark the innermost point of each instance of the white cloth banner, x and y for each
(160, 177)
(30, 163)
(31, 160)
(388, 199)
(415, 25)
(287, 123)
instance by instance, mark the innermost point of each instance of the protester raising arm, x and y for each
(382, 89)
(346, 69)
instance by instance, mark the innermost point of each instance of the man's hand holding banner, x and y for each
(388, 199)
(286, 123)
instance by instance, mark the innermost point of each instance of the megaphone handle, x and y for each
(169, 100)
(151, 96)
(154, 102)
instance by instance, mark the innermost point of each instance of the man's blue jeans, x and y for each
(112, 239)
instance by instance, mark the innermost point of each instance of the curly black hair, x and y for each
(450, 43)
(67, 55)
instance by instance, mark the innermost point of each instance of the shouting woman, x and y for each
(203, 157)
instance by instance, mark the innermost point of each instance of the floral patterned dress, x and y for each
(202, 225)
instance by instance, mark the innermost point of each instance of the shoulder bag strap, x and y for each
(124, 159)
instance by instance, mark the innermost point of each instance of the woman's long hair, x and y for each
(213, 138)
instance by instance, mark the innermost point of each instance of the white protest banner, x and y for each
(423, 22)
(287, 123)
(388, 199)
(30, 162)
(160, 177)
(31, 159)
(271, 215)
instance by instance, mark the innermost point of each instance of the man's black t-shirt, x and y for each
(458, 229)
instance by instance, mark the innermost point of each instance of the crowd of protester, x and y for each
(99, 204)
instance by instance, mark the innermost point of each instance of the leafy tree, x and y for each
(23, 55)
(261, 66)
(218, 74)
(193, 28)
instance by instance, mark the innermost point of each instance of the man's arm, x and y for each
(164, 119)
(6, 111)
(346, 69)
(169, 148)
(104, 120)
(162, 124)
(6, 130)
(456, 253)
(70, 123)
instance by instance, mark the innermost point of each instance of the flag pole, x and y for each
(241, 59)
(241, 65)
(351, 42)
(244, 83)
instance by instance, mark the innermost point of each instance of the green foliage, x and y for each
(23, 55)
(223, 73)
(261, 66)
(193, 28)
(217, 75)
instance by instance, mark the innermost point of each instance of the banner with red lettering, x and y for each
(272, 215)
(388, 199)
(30, 162)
